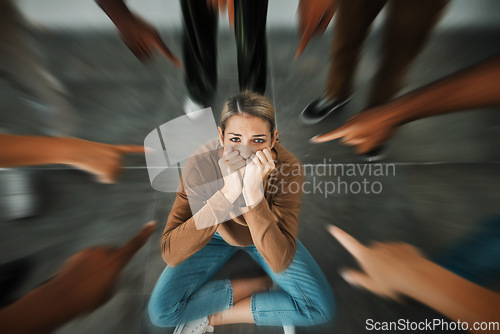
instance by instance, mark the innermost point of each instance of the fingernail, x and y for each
(331, 228)
(346, 276)
(150, 224)
(313, 139)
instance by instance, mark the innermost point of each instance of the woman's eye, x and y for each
(235, 139)
(259, 141)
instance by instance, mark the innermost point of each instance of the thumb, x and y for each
(133, 245)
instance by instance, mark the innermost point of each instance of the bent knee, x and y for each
(324, 314)
(163, 314)
(318, 314)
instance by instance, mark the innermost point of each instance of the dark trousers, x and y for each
(407, 26)
(200, 47)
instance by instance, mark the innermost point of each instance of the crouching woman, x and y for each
(241, 191)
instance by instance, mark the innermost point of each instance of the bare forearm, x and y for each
(116, 10)
(474, 87)
(452, 295)
(28, 150)
(41, 311)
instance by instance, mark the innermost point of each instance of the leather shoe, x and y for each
(320, 108)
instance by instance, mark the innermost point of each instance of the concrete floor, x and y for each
(446, 175)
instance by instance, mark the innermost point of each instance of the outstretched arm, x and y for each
(84, 283)
(198, 210)
(273, 228)
(138, 35)
(396, 269)
(474, 87)
(102, 160)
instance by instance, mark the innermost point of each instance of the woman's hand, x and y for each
(259, 166)
(232, 166)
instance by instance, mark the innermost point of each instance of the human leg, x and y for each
(353, 20)
(306, 298)
(250, 33)
(199, 45)
(407, 28)
(182, 293)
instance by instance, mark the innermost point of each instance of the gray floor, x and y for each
(445, 179)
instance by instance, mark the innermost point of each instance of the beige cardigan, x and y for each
(271, 225)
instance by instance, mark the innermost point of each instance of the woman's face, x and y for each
(248, 134)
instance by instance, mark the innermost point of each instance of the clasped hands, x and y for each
(245, 176)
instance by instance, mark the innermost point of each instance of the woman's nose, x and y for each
(245, 151)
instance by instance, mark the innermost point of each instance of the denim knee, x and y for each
(324, 312)
(162, 314)
(319, 313)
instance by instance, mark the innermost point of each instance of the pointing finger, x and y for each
(325, 21)
(306, 37)
(338, 133)
(133, 245)
(352, 245)
(128, 149)
(166, 52)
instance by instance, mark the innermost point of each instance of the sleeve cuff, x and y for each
(259, 213)
(220, 206)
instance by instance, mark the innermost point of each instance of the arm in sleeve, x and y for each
(185, 233)
(274, 230)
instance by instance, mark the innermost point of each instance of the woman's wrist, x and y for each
(253, 195)
(230, 194)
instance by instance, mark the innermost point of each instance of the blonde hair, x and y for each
(248, 103)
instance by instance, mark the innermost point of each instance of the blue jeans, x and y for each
(183, 293)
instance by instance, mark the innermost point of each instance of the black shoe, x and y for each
(317, 110)
(375, 155)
